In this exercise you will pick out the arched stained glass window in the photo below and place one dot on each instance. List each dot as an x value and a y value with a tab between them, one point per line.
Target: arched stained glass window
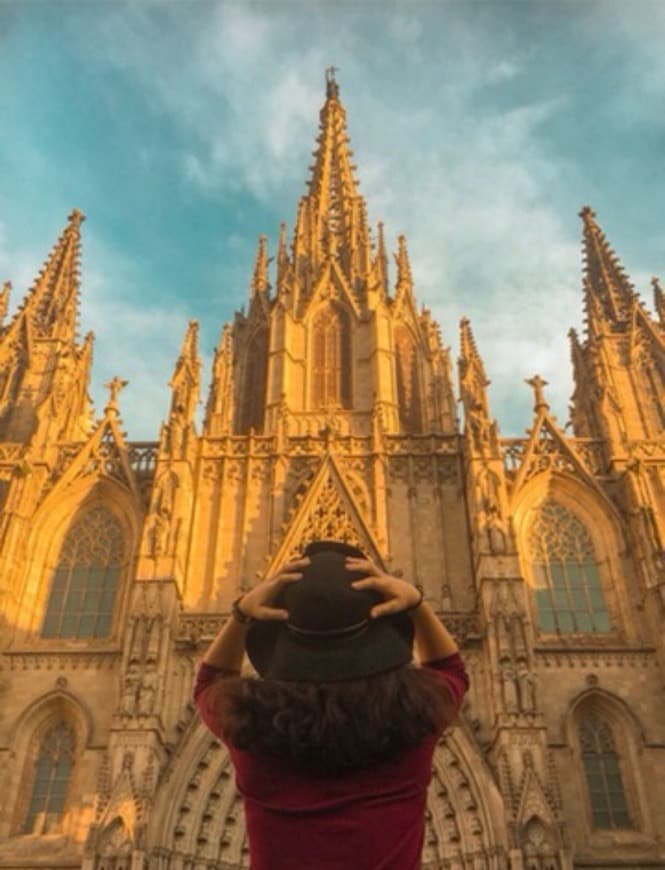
569	596
607	797
331	358
85	580
252	401
50	782
408	383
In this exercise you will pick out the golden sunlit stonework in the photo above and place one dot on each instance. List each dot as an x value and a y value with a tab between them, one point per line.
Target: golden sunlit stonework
332	413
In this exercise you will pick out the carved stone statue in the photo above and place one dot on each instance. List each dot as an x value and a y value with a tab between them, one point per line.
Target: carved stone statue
130	689
527	689
509	689
154	638
496	533
148	691
518	635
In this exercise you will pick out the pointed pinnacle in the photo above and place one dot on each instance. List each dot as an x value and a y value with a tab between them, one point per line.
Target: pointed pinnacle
658	299
260	283
4	299
190	346
606	277
379	261
467	342
76	218
332	182
282	247
403	265
283	261
469	355
53	299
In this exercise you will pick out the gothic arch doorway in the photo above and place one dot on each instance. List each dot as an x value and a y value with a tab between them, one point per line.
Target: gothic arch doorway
198	817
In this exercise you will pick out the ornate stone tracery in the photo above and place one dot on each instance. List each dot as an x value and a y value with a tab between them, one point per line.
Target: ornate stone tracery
557	534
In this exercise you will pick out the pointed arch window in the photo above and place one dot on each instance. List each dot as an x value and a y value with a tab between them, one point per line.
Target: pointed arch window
51	778
331	358
85	581
252	402
568	590
408	382
602	771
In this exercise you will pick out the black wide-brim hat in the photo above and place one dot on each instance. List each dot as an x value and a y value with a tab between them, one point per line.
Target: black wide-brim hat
329	636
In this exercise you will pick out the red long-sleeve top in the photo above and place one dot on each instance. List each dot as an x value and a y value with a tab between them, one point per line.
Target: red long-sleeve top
370	819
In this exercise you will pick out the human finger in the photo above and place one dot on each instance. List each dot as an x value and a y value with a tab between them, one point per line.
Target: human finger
268	613
392	606
296	563
287	578
368	583
354	563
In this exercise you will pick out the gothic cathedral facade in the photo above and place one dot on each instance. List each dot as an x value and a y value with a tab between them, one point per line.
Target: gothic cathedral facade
332	412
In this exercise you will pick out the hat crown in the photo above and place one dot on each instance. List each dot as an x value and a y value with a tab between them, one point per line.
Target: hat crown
323	599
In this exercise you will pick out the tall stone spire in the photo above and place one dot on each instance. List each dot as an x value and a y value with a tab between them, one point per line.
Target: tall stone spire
51	307
220	406
40	360
283	261
472	378
380	263
260	282
604	277
332	222
404	283
332	186
480	431
185	385
658	300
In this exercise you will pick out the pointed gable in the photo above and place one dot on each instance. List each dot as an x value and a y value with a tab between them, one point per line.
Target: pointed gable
328	511
104	454
547	448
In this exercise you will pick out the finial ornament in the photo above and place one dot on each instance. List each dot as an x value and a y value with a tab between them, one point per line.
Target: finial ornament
77	216
537	383
332	88
587	212
114	386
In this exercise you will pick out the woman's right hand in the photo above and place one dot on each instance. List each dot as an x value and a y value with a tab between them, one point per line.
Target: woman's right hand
256	604
398	594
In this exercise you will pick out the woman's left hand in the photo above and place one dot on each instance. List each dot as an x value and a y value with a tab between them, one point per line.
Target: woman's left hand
256	603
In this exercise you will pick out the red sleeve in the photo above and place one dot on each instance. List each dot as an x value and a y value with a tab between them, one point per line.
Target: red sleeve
453	675
206	676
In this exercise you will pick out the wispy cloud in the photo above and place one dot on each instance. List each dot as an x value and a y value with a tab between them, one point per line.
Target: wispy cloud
469	187
468	132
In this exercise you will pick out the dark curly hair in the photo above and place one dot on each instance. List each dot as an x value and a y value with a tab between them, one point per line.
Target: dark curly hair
332	728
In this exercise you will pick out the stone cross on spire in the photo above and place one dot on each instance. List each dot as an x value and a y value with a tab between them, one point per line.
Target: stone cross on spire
114	386
332	88
537	383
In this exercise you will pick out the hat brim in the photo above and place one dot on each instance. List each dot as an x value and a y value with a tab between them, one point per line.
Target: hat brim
277	653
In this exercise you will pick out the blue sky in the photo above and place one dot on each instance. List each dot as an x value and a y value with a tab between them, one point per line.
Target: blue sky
184	130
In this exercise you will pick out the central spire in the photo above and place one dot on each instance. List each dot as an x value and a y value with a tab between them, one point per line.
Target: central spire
332	223
332	184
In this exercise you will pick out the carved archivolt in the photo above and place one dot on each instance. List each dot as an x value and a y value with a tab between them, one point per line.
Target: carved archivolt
464	818
202	817
198	809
